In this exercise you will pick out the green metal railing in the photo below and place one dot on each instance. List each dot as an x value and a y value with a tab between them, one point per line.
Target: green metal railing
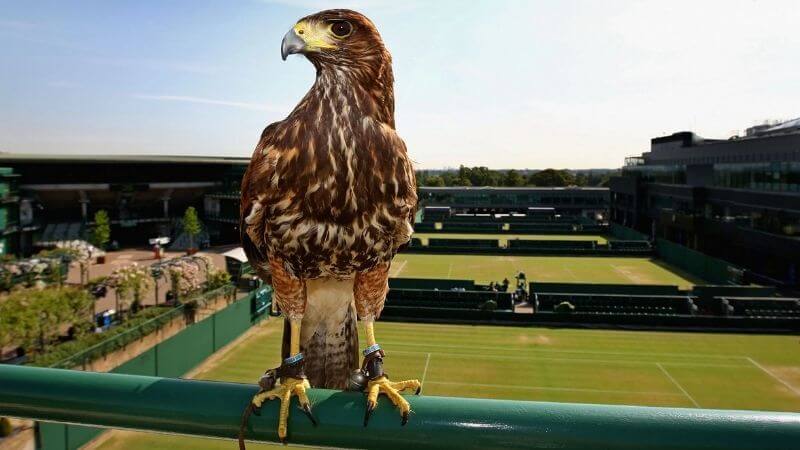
214	409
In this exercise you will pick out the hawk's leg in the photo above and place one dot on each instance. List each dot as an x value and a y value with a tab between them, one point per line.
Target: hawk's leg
370	290
290	294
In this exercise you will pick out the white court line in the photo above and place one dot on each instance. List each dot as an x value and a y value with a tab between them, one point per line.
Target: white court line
400	269
587	352
548	388
449	270
768	372
425	371
675	382
569	271
547	358
624	274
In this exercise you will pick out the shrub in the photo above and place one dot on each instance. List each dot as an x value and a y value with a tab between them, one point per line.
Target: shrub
131	284
216	279
136	328
564	308
33	318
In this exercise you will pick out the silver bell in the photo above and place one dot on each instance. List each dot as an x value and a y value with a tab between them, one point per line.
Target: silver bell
357	381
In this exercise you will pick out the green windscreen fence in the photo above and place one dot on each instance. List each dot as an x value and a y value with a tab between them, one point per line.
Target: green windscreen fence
710	269
171	358
182	352
629	234
144	364
230	323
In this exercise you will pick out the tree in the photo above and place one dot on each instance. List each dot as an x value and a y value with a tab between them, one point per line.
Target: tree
552	178
101	234
581	179
130	283
513	179
434	181
34	318
191	225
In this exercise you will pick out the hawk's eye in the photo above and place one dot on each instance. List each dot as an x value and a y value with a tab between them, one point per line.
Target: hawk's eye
341	28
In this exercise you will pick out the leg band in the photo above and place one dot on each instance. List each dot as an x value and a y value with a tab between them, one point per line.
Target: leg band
372	367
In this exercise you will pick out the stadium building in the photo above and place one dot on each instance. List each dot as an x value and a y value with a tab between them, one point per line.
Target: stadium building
588	202
737	199
54	197
9	211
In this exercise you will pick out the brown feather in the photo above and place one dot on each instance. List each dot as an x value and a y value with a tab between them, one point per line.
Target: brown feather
330	193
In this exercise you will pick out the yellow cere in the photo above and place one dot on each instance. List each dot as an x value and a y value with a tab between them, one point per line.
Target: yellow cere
315	35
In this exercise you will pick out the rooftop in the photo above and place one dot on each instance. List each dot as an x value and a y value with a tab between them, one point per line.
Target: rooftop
502	188
10	158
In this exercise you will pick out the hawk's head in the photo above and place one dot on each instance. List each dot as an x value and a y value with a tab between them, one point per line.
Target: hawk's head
338	37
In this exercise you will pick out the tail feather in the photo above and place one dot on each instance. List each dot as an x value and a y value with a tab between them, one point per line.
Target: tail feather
329	333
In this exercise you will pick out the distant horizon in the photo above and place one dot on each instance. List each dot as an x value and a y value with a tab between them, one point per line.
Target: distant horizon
573	84
167	156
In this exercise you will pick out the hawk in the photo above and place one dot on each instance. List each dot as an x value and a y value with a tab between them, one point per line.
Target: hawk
327	201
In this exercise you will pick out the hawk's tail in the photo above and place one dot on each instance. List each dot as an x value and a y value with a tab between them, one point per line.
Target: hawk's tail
328	333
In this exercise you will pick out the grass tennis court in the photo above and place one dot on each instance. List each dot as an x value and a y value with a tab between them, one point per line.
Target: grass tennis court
579	269
563	365
503	238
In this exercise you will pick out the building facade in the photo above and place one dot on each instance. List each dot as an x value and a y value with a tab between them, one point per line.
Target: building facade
9	212
54	197
737	199
591	202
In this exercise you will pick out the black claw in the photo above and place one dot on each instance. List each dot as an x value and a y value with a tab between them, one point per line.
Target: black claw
419	389
256	410
404	420
368	413
307	409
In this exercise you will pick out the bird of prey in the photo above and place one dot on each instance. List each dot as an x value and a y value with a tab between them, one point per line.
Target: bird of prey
327	201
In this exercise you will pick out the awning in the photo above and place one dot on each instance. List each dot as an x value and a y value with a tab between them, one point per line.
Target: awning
237	254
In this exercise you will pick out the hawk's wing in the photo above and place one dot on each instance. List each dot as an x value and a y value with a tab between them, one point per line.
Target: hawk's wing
255	190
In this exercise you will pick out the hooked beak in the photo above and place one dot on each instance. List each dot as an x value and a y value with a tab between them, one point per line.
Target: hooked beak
292	43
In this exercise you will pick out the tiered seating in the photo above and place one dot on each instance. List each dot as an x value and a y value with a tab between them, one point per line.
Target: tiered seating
542	227
710	290
426	298
604	288
630	246
431	283
551	244
619	304
713	306
424	227
463	243
764	306
472	228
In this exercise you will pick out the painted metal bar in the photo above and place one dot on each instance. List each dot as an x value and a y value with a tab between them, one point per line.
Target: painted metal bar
204	408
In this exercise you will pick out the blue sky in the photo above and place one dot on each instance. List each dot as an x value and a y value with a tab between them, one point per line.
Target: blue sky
532	84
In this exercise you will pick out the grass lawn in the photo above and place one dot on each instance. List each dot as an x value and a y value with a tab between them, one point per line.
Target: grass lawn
503	238
578	269
563	365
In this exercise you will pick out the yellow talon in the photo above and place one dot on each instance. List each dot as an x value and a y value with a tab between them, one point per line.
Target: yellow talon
284	392
391	390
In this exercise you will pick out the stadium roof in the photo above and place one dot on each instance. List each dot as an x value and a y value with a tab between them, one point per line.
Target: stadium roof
155	159
785	126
